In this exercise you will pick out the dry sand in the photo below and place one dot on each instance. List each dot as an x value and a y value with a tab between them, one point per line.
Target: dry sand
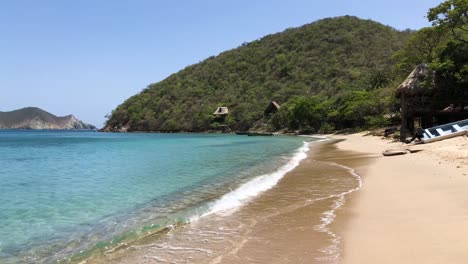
412	208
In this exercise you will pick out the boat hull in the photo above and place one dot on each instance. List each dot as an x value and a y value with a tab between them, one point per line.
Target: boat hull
434	139
256	134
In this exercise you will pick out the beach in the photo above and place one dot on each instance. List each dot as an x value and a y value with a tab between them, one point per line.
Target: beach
344	203
293	222
411	208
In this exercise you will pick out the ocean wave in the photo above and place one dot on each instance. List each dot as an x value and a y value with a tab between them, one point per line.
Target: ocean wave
229	202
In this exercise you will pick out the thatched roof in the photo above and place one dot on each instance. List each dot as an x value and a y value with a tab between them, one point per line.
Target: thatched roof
222	110
272	107
413	85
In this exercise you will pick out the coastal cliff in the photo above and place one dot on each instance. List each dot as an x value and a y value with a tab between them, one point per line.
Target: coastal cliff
36	118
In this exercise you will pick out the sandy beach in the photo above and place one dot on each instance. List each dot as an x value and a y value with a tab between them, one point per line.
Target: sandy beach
411	208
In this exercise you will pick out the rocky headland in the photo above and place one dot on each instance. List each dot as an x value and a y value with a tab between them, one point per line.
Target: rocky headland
36	118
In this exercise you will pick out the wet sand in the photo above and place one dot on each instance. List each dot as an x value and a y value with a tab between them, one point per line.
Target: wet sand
412	208
291	223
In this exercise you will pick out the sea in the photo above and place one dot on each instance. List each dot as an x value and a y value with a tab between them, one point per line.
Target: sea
68	195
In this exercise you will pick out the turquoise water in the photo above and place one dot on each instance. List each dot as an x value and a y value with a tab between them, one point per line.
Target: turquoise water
64	192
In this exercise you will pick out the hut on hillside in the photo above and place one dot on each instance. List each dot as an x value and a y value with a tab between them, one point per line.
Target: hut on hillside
220	114
418	103
221	111
272	108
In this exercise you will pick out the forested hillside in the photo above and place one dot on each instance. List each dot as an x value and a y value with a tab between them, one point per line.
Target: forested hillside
340	65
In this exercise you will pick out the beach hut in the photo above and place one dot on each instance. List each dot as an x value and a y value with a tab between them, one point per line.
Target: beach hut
272	108
411	93
221	111
220	116
417	82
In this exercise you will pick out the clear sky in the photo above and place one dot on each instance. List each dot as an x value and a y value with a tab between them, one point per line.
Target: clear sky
85	57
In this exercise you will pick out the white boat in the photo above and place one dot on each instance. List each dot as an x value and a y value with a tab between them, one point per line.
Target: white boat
445	131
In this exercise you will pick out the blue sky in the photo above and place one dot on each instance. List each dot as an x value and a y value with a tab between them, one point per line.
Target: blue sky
85	57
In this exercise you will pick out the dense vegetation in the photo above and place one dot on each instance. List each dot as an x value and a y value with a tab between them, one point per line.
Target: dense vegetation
334	60
337	73
444	47
450	62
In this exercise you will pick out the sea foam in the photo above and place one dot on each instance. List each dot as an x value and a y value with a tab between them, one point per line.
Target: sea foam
236	198
332	252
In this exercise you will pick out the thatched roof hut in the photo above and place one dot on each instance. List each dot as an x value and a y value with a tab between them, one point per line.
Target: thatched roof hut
420	105
413	85
220	111
272	108
411	93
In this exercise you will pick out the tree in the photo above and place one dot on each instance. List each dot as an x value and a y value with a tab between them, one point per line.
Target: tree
451	63
422	47
302	113
451	14
452	71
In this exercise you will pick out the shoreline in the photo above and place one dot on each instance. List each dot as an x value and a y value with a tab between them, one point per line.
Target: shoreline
303	206
396	214
228	203
411	208
135	222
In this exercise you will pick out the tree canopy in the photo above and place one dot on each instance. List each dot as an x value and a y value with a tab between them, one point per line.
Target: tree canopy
451	15
450	62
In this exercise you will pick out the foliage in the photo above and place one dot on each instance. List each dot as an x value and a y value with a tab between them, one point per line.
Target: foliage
335	60
451	15
444	47
452	72
422	47
354	109
451	60
302	113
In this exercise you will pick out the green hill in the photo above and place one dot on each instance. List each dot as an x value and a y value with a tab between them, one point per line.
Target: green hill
329	58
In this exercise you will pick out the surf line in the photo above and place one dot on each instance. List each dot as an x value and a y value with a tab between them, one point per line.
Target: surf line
233	200
236	198
332	251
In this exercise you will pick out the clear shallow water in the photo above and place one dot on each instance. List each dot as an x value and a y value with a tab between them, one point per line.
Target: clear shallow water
302	208
64	192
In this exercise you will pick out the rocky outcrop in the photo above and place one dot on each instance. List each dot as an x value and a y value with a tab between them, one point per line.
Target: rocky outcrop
114	129
36	118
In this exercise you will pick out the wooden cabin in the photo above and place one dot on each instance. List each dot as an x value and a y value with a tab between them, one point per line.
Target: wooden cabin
272	108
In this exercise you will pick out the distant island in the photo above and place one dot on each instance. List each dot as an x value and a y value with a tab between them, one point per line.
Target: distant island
36	118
